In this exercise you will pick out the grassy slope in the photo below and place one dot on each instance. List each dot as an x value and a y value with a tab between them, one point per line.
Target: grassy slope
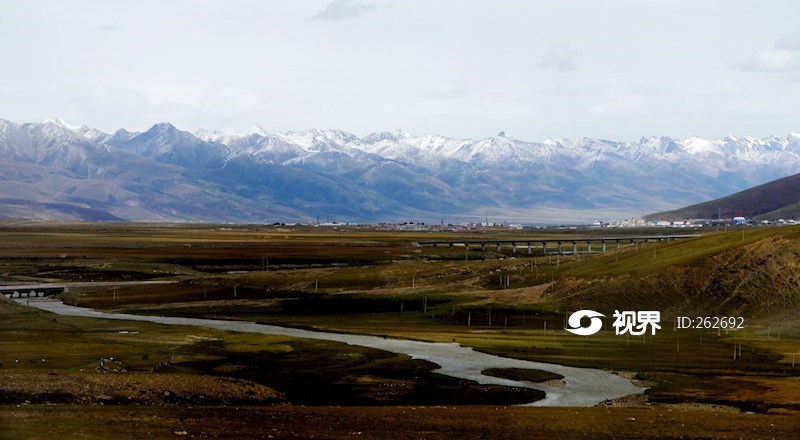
766	198
745	272
679	360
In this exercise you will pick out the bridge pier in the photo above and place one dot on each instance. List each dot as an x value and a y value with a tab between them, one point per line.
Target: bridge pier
498	246
559	248
589	249
513	248
544	248
604	246
574	247
32	291
530	249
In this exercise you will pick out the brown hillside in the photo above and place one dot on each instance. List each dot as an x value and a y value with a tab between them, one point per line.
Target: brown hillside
773	200
760	280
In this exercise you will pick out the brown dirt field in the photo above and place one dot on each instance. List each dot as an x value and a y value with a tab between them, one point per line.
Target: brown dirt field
130	388
756	393
482	422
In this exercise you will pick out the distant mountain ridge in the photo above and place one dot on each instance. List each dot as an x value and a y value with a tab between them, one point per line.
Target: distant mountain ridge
51	170
770	201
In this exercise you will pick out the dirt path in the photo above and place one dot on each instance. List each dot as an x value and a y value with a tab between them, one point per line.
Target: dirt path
584	386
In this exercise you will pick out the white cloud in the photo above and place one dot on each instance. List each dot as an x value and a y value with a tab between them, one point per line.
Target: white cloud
561	58
783	57
773	60
342	9
534	71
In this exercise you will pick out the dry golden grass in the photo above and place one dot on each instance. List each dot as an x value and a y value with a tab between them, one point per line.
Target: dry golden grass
365	276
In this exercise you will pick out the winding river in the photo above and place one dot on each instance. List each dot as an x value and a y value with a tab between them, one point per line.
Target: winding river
583	386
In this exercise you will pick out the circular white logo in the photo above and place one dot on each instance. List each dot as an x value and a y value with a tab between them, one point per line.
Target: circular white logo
574	322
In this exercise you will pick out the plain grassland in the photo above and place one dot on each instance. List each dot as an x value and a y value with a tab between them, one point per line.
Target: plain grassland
377	282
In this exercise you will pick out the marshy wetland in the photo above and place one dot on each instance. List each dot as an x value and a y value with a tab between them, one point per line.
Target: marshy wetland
362	281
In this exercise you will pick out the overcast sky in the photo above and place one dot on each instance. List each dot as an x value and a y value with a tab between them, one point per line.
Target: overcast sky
617	69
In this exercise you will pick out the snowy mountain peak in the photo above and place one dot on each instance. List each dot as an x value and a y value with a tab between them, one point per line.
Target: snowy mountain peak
256	130
211	135
696	145
553	142
253	175
163	127
62	123
123	134
92	133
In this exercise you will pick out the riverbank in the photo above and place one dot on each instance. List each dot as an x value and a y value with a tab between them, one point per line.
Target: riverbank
582	386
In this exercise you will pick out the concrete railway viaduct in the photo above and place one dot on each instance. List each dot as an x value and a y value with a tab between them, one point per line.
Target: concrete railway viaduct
560	246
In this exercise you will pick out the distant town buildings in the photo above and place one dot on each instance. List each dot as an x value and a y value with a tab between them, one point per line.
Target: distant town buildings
700	223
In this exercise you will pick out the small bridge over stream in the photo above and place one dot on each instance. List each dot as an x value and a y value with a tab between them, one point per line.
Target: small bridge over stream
32	290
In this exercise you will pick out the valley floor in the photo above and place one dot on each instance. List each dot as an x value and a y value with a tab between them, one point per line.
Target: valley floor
397	422
169	381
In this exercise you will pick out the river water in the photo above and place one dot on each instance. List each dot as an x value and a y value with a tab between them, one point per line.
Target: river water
584	386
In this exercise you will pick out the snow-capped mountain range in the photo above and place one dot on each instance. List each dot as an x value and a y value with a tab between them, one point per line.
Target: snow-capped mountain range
51	170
